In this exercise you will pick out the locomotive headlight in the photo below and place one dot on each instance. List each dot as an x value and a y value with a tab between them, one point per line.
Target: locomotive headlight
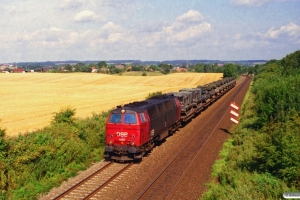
132	144
110	143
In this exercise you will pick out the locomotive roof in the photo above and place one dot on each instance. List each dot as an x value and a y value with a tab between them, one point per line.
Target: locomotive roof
139	106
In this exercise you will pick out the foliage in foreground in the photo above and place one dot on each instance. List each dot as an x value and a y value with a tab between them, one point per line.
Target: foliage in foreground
35	163
154	94
262	158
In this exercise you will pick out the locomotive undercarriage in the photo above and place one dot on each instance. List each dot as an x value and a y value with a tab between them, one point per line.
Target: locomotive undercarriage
125	153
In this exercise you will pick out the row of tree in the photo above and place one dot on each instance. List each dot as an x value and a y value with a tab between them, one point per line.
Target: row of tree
229	69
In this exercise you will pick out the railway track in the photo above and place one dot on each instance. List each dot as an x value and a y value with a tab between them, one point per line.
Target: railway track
166	185
92	185
173	180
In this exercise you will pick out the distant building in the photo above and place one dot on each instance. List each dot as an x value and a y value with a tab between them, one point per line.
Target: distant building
121	66
182	69
19	70
94	69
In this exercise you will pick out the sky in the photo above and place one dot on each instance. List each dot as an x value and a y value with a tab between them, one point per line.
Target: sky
59	30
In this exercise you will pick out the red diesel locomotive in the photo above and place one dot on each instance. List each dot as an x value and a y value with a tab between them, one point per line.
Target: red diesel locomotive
133	129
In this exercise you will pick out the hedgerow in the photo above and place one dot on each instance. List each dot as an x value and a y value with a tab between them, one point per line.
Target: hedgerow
262	158
34	163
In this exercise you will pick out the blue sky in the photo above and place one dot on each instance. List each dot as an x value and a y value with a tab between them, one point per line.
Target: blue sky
40	30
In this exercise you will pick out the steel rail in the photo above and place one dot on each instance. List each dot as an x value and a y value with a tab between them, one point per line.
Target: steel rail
60	196
182	150
107	182
171	194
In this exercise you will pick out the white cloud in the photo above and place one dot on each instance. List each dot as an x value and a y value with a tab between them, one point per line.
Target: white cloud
52	37
186	28
291	30
254	3
110	33
189	33
86	16
191	16
288	35
10	8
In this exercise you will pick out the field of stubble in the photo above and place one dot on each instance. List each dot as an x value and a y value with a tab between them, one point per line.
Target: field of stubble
29	100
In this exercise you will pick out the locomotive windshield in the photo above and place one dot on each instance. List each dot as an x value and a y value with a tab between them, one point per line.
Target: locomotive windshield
129	118
115	118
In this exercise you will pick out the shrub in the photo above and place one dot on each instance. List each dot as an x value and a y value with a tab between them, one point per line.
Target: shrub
36	162
65	115
3	145
154	94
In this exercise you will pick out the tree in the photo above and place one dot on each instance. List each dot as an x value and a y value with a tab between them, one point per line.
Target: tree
215	67
79	67
207	68
165	68
154	67
102	64
199	68
3	144
230	70
137	68
68	67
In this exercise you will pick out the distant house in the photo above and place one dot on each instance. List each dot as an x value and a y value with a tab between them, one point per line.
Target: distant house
104	70
94	69
182	69
19	70
5	70
121	66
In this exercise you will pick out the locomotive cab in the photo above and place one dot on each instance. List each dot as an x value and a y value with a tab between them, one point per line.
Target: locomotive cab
125	130
134	129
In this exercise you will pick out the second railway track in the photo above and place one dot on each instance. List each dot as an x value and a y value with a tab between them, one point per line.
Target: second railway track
165	185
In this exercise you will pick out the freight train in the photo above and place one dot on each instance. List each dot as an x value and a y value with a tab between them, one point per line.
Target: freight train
134	129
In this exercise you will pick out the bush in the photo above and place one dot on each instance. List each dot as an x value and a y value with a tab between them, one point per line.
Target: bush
65	115
3	145
36	162
144	74
154	94
264	158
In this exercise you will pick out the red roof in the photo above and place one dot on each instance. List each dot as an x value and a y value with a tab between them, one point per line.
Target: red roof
19	70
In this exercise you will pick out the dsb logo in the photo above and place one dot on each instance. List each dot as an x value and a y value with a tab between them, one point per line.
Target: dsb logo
122	134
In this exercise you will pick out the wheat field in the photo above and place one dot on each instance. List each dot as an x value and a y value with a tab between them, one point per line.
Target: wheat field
29	100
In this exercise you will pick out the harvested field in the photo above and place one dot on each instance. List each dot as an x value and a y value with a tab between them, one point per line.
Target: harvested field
28	100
